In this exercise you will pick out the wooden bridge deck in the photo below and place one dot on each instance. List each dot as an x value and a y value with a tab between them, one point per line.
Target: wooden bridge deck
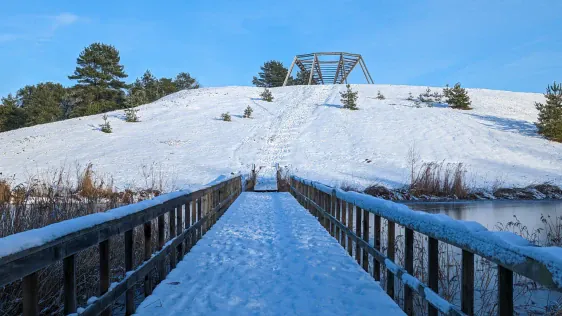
268	255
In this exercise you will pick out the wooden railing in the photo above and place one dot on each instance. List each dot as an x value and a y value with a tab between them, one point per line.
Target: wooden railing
346	216
188	215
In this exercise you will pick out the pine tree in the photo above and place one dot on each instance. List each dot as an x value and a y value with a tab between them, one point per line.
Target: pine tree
248	112
301	79
184	81
380	96
99	75
42	102
266	95
226	117
550	114
136	97
457	97
12	116
105	127
272	74
131	115
349	98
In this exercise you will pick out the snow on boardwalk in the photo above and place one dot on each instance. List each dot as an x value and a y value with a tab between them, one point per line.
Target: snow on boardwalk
268	256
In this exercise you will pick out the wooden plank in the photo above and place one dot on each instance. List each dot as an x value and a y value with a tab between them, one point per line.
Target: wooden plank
432	270
130	295
104	272
350	226
409	266
340	68
30	287
505	291
69	280
366	239
390	254
467	284
147	254
358	225
376	263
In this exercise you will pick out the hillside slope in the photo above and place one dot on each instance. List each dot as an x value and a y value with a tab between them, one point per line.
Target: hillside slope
305	129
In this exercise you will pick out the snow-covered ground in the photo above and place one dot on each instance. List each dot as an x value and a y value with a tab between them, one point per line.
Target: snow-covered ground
268	256
303	128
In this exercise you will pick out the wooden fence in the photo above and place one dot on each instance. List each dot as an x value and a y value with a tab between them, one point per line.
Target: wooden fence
189	216
345	220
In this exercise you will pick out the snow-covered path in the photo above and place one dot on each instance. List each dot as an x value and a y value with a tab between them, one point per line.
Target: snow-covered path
268	256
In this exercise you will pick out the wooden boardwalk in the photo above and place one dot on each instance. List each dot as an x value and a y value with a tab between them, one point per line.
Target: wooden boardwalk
314	250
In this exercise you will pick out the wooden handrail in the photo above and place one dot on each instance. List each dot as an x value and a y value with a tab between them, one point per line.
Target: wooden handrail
207	205
311	195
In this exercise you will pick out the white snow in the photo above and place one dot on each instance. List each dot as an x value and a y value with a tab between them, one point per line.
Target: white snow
268	256
504	246
303	128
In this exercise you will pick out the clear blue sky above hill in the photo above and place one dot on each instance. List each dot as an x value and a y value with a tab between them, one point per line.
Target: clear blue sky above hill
497	44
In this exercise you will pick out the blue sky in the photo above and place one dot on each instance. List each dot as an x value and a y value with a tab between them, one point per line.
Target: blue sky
497	44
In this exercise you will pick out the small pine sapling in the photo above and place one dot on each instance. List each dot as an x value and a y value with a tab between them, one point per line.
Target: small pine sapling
349	98
410	97
550	114
380	96
266	95
446	91
131	115
458	98
105	127
226	117
248	112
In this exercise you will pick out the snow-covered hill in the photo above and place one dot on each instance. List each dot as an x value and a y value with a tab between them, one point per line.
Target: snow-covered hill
305	129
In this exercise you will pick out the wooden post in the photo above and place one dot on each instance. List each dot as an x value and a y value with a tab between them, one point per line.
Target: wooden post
366	239
409	266
130	295
376	264
344	222
104	271
147	255
312	71
290	71
327	222
358	215
193	221
187	225
69	272
199	213
331	200
505	291
350	226
433	270
31	295
172	223
467	288
161	242
179	231
390	254
338	218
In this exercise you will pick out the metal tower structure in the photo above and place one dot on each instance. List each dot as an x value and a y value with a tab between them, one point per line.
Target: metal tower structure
328	67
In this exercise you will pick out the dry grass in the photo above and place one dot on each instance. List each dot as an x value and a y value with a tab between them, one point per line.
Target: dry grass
440	179
53	197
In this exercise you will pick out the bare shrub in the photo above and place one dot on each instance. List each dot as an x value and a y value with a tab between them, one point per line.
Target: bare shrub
439	179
